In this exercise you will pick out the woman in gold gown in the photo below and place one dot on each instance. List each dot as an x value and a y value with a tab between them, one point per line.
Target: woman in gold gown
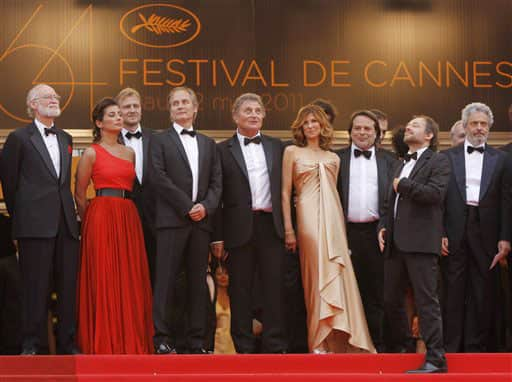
335	316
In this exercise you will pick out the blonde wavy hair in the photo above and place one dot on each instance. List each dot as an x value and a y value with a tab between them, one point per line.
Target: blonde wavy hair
326	130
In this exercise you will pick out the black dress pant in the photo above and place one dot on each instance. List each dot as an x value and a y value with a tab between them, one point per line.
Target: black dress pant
188	245
368	264
150	244
469	291
10	305
40	259
295	306
265	252
421	269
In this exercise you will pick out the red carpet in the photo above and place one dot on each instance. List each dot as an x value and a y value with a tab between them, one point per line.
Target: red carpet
252	368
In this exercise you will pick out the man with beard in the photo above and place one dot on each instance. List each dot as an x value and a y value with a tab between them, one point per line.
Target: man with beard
36	174
478	232
410	235
138	139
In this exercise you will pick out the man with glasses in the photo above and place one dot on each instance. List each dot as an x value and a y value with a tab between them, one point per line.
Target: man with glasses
36	175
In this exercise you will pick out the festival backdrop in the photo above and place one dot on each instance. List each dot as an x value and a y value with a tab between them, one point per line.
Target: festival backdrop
401	56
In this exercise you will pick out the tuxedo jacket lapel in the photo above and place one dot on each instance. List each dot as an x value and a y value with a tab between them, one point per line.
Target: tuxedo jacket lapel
40	146
382	175
345	176
267	148
459	170
201	148
488	166
177	142
421	162
64	156
236	150
145	149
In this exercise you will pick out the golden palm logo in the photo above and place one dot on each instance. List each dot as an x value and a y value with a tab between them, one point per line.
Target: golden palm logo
160	24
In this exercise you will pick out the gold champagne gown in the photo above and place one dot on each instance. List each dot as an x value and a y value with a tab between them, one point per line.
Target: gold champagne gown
336	320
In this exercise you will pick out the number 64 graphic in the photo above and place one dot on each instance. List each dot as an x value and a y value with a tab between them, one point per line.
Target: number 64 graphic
54	54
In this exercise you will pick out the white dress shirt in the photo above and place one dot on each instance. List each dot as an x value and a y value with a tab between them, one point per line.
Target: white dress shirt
406	171
52	144
259	180
192	151
136	145
363	188
474	164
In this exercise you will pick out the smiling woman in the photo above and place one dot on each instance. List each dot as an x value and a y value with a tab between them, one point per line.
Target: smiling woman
335	317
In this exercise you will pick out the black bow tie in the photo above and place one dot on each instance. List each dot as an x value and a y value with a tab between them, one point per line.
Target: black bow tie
479	149
256	140
408	156
51	130
192	133
137	135
366	153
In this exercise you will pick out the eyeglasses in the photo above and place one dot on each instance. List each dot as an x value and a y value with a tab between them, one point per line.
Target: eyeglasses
55	97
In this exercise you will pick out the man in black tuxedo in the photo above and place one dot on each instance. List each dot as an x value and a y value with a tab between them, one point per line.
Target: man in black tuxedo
251	226
508	147
410	235
366	172
478	219
36	174
139	139
187	179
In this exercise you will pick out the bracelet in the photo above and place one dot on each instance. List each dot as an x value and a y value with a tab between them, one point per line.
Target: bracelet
288	232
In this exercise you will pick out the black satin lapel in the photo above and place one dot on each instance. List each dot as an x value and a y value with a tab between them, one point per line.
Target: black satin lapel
236	150
145	150
177	141
421	162
490	160
64	156
201	147
381	179
38	143
267	148
459	169
345	176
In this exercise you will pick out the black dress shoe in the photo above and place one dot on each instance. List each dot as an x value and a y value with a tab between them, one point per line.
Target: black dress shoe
74	351
429	368
198	351
29	351
164	348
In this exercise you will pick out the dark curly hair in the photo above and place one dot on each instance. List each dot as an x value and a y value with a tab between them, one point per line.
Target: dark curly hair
397	141
97	115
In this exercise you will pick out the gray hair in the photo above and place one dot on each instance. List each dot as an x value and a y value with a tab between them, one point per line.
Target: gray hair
32	95
473	108
452	130
192	94
244	98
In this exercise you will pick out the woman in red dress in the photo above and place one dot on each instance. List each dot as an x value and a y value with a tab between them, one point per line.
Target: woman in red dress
114	293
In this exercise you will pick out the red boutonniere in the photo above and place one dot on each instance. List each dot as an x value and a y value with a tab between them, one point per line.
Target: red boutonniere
70	149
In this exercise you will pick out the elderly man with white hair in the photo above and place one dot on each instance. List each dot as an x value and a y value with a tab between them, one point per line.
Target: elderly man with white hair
36	176
478	232
457	133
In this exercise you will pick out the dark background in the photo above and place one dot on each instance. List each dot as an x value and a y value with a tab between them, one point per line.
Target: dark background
285	31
